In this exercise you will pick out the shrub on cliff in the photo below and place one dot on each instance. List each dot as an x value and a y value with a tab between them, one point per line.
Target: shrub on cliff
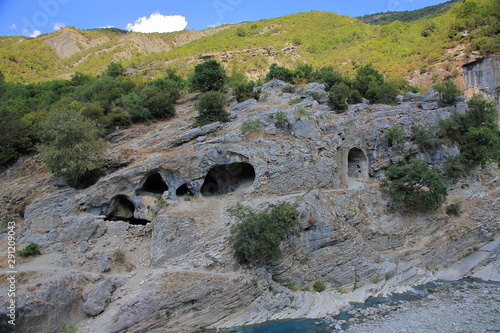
211	108
208	76
71	147
415	186
257	237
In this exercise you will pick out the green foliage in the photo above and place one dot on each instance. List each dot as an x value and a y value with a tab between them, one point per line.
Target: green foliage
366	75
115	69
455	167
240	32
68	328
448	92
396	135
257	237
384	93
29	250
211	108
295	101
424	138
290	89
251	125
244	90
338	97
279	73
208	76
71	147
477	135
454	209
281	119
319	286
415	186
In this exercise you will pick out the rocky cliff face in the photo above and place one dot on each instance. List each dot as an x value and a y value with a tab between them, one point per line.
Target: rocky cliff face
483	76
145	248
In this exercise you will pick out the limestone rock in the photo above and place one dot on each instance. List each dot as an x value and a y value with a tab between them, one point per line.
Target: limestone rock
97	300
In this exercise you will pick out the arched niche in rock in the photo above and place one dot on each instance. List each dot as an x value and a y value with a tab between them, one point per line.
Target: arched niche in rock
183	190
123	209
226	178
357	164
154	184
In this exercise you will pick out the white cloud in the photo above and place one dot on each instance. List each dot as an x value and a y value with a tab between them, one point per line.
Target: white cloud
58	25
33	34
13	27
158	23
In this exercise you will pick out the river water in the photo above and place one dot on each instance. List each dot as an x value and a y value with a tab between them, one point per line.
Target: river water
324	325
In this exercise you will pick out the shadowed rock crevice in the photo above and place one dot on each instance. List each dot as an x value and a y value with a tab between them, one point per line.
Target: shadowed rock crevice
154	184
122	209
223	179
183	191
357	164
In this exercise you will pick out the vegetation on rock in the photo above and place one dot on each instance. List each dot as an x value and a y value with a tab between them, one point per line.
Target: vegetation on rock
71	147
257	236
211	108
415	186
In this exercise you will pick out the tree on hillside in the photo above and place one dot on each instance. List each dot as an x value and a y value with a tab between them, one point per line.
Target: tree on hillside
208	76
448	92
364	76
211	108
415	186
71	147
115	69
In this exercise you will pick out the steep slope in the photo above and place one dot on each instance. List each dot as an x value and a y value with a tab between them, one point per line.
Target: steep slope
146	248
407	16
317	38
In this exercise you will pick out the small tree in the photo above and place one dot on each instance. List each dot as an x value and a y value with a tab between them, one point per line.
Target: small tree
279	73
115	69
71	147
415	186
338	97
211	108
448	92
257	237
364	76
208	76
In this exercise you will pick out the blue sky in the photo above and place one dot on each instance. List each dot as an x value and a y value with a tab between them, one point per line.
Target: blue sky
32	17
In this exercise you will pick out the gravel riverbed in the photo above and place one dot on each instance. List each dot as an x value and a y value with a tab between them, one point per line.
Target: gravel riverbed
460	307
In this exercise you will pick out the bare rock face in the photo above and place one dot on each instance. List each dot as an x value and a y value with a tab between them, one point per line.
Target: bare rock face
151	237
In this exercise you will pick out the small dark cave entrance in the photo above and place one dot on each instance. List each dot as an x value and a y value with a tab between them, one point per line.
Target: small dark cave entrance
122	209
154	184
357	164
183	191
223	179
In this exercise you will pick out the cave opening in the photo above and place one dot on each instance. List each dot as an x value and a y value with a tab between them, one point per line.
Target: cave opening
183	191
123	210
357	164
154	184
226	178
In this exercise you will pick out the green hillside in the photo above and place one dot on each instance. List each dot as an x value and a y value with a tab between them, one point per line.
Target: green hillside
318	38
409	15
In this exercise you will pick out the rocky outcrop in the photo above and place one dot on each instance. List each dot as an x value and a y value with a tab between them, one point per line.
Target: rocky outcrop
483	76
151	236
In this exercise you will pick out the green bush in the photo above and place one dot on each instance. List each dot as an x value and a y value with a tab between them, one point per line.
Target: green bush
244	90
288	89
455	168
448	92
424	138
338	97
71	147
208	76
281	119
454	208
415	186
319	286
211	108
257	236
29	250
384	93
279	73
251	125
396	135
